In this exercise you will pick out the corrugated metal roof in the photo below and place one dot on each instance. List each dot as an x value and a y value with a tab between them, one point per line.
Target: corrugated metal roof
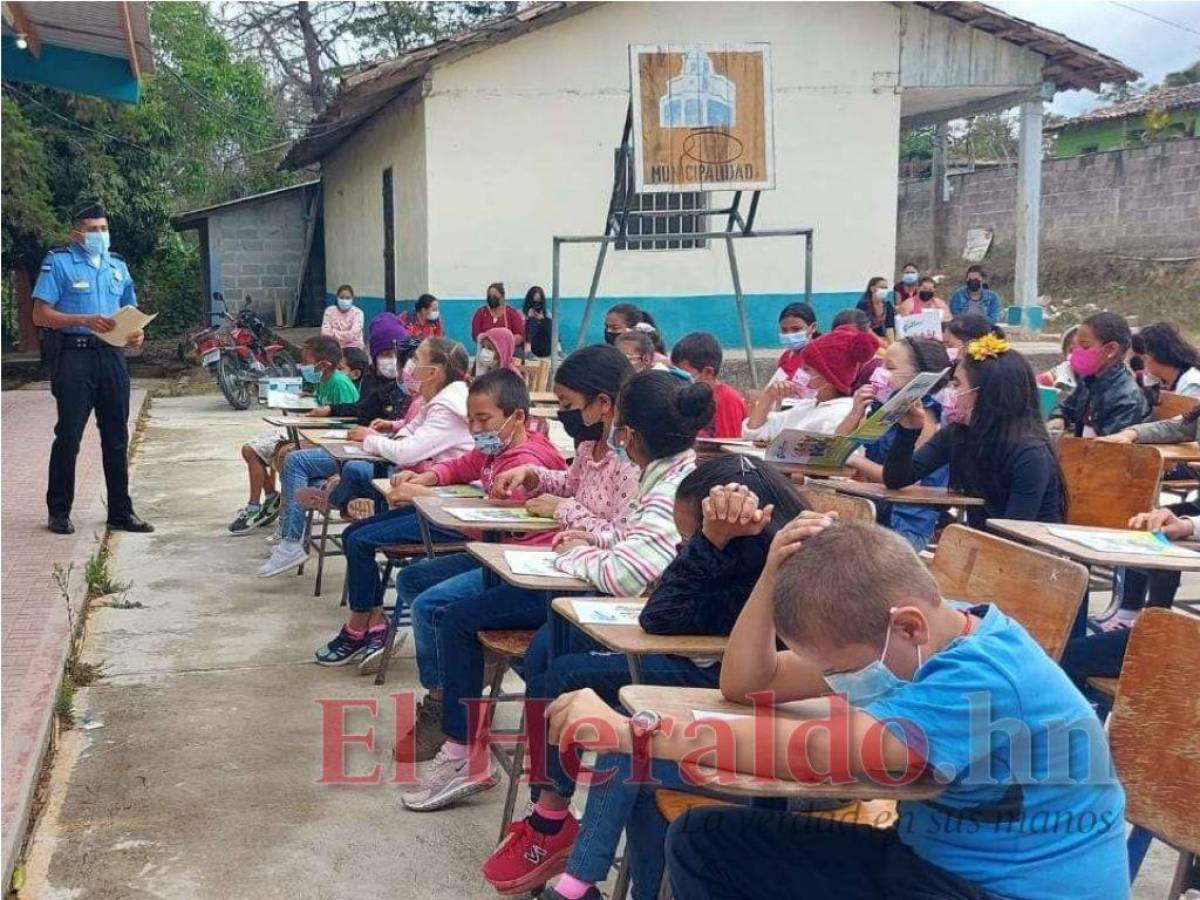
1069	64
95	27
1165	98
190	218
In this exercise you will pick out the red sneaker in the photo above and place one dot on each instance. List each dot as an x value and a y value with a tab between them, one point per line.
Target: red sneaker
526	858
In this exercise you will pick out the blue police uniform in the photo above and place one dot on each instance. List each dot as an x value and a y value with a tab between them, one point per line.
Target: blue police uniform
87	373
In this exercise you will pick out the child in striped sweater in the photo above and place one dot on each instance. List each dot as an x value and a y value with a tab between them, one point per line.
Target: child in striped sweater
657	418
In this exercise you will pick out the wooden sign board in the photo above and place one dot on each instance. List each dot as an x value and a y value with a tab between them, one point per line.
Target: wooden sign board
702	117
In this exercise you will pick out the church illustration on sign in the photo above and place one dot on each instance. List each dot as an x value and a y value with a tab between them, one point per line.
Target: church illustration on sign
699	97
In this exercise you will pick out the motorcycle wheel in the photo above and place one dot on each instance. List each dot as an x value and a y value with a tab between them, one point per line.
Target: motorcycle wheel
230	372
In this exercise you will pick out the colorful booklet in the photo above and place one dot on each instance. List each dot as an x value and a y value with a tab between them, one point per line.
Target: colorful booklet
1135	543
533	562
794	445
498	514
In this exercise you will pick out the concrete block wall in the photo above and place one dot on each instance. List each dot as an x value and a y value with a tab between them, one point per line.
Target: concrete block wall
1140	202
257	249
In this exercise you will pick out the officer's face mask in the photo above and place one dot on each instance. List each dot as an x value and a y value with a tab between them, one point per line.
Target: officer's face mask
96	242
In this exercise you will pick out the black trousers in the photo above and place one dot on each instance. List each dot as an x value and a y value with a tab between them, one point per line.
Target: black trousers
83	380
738	853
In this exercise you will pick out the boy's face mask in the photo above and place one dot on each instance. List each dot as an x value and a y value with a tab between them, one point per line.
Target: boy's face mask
873	682
310	373
491	443
386	366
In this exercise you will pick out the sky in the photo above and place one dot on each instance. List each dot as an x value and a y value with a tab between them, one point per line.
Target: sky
1152	47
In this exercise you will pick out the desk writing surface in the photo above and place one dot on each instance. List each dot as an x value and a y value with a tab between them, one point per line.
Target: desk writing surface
492	556
631	639
344	451
435	510
1036	533
1177	453
543	397
305	423
915	494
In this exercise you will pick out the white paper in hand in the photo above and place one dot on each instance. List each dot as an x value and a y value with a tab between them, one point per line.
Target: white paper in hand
130	320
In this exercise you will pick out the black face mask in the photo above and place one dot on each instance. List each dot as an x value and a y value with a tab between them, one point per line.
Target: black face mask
493	302
974	284
573	424
610	337
925	295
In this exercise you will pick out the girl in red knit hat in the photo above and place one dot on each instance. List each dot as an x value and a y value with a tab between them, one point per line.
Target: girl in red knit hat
820	388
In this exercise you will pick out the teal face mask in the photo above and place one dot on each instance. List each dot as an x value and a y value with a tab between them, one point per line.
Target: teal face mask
620	452
96	242
870	683
309	373
795	340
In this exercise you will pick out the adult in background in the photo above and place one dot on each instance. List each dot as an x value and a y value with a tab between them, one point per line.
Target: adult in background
79	290
425	319
496	313
343	321
537	323
906	287
881	312
975	297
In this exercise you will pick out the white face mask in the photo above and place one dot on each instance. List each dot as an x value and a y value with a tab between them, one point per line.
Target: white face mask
344	303
433	315
386	366
881	293
485	359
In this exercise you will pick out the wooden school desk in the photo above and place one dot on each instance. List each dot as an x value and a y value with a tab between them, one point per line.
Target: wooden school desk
295	424
631	640
433	511
793	469
914	494
1036	533
1188	452
492	557
678	703
543	398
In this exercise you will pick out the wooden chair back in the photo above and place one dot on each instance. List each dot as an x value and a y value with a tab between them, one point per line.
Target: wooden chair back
537	374
824	500
1171	405
1038	589
1108	484
1154	723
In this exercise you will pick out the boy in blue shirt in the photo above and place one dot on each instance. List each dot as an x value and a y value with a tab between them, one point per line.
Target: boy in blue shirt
1031	807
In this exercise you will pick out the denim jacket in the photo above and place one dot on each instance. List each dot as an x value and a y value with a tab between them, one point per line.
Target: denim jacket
1109	402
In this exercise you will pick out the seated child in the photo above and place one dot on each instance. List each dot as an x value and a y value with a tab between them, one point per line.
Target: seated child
496	349
639	350
902	362
926	687
595	496
498	416
1106	398
320	360
439	431
727	511
656	421
961	330
625	317
355	364
797	326
995	442
343	321
1171	361
699	354
822	385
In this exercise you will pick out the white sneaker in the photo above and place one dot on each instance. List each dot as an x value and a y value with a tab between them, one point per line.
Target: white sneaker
447	781
286	555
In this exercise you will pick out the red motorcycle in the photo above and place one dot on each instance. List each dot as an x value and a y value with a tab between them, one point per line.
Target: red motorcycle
239	356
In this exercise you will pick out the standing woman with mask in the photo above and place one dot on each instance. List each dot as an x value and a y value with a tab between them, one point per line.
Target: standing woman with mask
496	313
425	319
995	444
879	309
343	321
797	326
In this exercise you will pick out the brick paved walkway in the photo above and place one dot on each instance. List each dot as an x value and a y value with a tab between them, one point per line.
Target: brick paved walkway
33	617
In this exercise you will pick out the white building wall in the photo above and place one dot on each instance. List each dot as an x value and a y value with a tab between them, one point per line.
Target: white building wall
353	184
521	137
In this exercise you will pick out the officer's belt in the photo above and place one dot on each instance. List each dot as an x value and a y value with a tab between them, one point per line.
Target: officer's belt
82	342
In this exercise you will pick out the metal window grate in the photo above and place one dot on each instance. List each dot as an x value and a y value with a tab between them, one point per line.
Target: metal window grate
689	220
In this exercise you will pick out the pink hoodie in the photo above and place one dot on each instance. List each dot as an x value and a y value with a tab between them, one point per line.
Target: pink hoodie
535	450
505	343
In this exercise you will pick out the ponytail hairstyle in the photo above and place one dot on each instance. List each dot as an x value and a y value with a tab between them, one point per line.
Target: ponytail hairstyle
664	411
450	356
772	487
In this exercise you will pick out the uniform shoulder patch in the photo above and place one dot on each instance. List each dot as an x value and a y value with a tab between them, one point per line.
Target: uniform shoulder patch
61	250
115	255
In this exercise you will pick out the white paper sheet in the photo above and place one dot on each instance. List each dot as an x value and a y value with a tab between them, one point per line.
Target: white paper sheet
130	320
533	562
597	612
699	714
496	514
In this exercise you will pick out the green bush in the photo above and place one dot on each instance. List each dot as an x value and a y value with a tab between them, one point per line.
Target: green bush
169	285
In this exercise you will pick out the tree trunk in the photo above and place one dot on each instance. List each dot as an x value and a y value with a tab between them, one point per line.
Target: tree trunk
312	57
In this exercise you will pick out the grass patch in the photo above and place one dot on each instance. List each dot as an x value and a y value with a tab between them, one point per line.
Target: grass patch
98	576
76	672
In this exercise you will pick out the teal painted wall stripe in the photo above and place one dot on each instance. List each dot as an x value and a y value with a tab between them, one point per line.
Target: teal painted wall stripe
676	316
77	71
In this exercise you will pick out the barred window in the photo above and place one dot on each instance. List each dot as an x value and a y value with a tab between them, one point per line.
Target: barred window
689	220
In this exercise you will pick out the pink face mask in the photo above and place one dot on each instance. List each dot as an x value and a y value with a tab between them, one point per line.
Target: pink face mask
953	352
801	387
882	382
953	412
1086	361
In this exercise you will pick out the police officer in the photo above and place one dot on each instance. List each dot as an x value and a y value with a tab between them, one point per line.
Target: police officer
80	287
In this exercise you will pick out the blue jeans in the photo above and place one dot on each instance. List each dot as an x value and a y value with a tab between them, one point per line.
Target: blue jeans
613	807
427	588
356	482
300	469
587	664
363	539
503	607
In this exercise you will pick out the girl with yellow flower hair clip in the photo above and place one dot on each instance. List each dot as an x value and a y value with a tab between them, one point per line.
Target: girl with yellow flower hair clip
994	440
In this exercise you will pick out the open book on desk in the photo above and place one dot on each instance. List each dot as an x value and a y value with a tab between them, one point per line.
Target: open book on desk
793	445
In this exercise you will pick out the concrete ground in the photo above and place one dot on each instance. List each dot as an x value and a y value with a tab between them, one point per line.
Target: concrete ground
196	773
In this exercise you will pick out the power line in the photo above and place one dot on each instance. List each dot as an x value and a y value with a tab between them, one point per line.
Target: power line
1150	15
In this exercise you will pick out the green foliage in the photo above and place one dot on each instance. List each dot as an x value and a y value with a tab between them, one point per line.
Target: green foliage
389	28
917	143
171	287
1190	75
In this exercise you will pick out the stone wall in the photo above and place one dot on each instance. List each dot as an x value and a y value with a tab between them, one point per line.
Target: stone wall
257	249
1138	202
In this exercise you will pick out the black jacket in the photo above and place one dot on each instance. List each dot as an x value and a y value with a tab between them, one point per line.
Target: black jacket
704	589
1109	402
378	398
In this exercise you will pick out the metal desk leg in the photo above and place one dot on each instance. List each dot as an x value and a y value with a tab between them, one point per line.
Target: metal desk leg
635	669
426	536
